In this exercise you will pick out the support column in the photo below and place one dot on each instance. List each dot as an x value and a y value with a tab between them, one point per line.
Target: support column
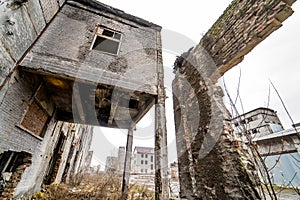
127	164
161	146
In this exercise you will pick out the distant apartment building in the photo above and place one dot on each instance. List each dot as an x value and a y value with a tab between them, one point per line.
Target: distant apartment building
143	160
261	120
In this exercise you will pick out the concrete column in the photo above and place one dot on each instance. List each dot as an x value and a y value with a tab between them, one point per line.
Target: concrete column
127	164
161	148
161	154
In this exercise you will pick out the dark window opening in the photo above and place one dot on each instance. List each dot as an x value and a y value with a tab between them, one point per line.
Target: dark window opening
151	158
142	162
106	45
254	131
243	121
151	166
108	33
107	41
55	161
133	103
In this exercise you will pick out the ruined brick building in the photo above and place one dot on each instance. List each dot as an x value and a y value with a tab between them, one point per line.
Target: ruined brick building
68	65
209	157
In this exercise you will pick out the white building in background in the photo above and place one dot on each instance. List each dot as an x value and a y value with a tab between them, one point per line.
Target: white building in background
259	121
143	160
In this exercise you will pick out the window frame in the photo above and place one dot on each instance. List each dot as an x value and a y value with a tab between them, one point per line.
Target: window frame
98	34
35	100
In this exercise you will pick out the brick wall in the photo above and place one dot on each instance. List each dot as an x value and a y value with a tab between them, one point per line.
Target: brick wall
243	25
211	163
16	177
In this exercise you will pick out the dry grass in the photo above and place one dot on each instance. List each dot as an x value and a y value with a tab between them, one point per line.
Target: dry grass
93	187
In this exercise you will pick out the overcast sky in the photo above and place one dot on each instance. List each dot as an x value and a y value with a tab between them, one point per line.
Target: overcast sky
275	59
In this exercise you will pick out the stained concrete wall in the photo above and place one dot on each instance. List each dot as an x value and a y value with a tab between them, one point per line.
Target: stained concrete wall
75	28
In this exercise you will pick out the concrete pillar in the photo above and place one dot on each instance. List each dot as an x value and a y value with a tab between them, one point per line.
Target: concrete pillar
161	154
127	164
161	146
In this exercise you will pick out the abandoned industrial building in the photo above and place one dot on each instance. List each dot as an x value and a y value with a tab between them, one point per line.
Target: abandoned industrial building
69	65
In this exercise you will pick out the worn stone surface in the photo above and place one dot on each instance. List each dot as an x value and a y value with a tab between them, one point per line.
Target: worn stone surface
50	8
17	32
6	64
35	12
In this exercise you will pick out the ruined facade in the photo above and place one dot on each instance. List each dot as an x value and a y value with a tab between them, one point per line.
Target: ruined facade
260	120
278	148
65	63
209	156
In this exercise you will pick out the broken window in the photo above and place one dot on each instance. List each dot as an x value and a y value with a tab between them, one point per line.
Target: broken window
254	131
242	122
37	113
107	41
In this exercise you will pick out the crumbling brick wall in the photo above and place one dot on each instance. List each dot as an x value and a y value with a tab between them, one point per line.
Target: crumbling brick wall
210	160
16	177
